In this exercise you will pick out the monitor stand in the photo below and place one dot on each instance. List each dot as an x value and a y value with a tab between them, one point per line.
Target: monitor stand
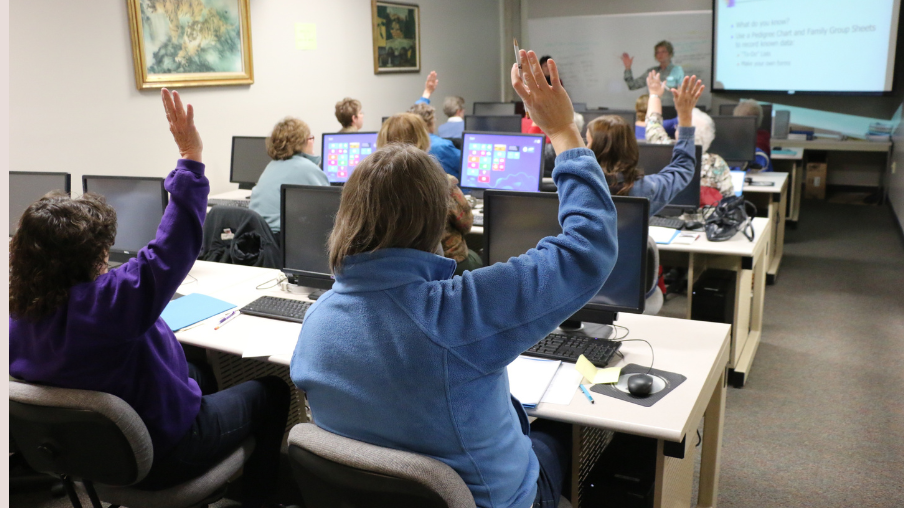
246	186
317	294
601	330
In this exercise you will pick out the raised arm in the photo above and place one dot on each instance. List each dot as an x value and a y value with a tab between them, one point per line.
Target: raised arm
655	132
633	84
132	297
429	87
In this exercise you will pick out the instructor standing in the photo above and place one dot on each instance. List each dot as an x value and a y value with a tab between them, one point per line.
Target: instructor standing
672	74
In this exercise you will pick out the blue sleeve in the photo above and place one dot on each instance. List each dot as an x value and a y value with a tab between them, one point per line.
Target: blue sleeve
447	155
129	300
488	316
422	100
661	188
670	125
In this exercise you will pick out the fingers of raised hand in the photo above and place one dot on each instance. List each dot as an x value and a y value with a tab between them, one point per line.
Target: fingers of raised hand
554	74
529	71
517	84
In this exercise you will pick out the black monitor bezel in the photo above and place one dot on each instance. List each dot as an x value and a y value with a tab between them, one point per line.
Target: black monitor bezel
323	151
592	312
463	156
67	176
740	119
304	278
514	108
698	169
520	118
242	184
122	255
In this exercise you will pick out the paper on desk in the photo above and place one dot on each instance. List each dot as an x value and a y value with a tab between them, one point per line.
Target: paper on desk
529	378
264	337
564	384
685	238
595	375
662	235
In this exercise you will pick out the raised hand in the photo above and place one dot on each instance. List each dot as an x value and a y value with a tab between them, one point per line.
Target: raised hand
549	105
654	84
686	96
430	85
627	60
182	125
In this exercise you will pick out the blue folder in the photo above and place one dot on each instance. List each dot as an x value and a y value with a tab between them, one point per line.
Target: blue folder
191	309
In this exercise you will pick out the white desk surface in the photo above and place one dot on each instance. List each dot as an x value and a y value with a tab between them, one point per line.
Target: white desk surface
849	145
777	178
210	278
797	155
233	194
737	246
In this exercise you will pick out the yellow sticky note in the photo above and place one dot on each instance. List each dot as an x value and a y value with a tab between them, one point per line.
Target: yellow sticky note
594	375
305	36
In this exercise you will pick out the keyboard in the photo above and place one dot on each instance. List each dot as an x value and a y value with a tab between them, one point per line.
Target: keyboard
478	220
666	222
568	348
272	307
241	203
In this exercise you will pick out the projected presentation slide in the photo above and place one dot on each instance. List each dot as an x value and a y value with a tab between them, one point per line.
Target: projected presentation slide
342	152
499	161
805	45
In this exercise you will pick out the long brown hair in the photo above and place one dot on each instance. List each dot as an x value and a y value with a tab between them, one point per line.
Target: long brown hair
615	147
60	242
396	198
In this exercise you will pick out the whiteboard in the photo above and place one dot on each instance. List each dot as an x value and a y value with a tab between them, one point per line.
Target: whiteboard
587	50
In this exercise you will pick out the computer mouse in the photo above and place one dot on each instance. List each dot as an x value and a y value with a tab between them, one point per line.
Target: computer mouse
640	385
693	225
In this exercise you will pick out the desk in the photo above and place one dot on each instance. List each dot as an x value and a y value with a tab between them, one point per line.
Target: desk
775	199
748	261
796	176
233	194
698	350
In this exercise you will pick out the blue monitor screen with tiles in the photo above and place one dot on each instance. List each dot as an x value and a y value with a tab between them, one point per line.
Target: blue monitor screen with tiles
342	152
502	161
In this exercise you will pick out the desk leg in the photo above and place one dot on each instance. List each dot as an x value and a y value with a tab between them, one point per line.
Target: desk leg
795	193
710	463
778	242
690	284
750	327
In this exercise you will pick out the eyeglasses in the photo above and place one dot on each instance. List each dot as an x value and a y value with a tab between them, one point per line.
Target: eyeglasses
311	138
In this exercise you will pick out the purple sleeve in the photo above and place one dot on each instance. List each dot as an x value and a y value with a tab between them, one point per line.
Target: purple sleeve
127	301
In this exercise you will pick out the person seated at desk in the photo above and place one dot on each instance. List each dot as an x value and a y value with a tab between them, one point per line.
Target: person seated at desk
410	129
443	149
291	146
75	325
428	370
350	115
615	146
714	172
454	108
640	126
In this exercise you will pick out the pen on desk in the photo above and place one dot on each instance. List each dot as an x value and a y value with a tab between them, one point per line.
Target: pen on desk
227	316
227	321
587	394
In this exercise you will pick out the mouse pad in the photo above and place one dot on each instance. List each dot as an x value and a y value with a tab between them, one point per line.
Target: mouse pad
663	383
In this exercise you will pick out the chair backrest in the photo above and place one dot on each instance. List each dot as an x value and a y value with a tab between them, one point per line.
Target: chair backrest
84	434
252	243
652	265
335	471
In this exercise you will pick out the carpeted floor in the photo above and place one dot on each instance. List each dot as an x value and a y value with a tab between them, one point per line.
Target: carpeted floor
820	422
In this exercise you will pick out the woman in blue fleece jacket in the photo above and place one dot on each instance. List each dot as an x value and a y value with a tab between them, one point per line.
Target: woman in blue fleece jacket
402	354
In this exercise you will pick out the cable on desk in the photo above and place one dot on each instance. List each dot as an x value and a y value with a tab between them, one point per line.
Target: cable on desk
189	282
279	279
624	339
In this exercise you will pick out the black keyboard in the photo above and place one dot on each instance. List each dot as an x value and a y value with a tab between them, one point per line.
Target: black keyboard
277	308
666	222
568	348
241	203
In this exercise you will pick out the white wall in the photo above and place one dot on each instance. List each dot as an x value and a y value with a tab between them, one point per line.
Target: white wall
74	105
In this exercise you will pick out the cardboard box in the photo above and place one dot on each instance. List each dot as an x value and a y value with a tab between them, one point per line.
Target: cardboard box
815	187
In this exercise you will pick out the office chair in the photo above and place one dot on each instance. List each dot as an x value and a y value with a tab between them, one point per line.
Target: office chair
654	296
98	439
251	243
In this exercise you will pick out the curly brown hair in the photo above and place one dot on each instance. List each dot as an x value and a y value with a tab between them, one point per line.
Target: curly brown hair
615	146
288	138
346	109
427	112
61	242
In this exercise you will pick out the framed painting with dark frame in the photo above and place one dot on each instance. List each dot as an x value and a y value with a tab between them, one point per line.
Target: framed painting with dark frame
397	37
191	42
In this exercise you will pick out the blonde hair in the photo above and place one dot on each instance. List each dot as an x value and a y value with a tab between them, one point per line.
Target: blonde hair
750	107
640	106
427	112
453	105
288	138
404	128
346	109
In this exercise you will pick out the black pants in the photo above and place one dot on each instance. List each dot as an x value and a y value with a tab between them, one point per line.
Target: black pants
552	444
256	408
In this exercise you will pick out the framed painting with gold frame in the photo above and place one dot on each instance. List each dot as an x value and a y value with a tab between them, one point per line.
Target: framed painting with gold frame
191	42
397	37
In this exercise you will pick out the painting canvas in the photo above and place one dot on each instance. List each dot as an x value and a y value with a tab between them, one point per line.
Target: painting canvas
397	42
191	42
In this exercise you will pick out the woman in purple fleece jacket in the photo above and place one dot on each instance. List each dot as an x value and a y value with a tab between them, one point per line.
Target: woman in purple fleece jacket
73	324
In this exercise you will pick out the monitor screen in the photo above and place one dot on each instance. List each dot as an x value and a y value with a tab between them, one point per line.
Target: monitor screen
249	159
514	222
654	158
342	152
735	138
510	123
781	123
728	110
139	203
502	161
494	108
26	187
629	116
306	220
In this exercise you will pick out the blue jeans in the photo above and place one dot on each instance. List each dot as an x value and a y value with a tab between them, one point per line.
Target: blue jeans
256	408
552	444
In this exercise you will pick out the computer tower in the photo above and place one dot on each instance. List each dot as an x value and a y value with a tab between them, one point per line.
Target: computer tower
714	296
624	475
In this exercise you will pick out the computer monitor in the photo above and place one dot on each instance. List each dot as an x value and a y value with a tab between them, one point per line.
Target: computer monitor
502	161
249	159
654	158
497	123
781	123
514	222
139	203
728	110
735	138
307	213
494	108
343	151
26	187
629	116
